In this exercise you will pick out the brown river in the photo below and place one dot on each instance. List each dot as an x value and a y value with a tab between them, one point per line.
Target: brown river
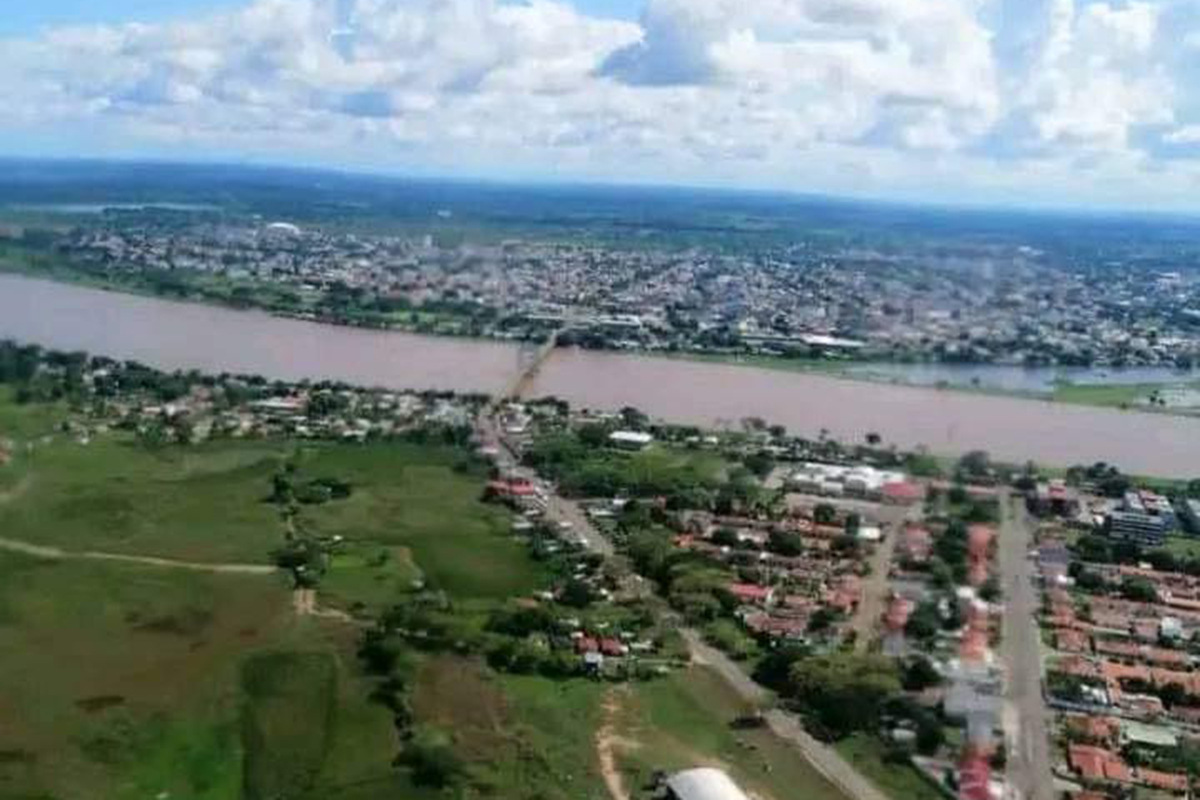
172	335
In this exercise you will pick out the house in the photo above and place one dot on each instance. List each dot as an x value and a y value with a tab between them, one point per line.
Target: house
916	544
1095	763
752	594
902	493
1053	498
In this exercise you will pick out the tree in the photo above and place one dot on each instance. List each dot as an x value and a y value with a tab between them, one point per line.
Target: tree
576	594
760	463
824	514
844	691
874	439
975	464
920	674
1139	589
775	669
785	543
925	622
432	760
726	537
930	735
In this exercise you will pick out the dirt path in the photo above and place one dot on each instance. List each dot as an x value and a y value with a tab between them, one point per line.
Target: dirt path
304	602
58	554
607	743
21	488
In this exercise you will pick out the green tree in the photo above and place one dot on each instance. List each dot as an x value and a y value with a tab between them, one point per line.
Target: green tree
843	691
824	514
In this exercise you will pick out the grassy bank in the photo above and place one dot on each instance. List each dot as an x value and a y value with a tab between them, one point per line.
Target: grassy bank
686	720
897	780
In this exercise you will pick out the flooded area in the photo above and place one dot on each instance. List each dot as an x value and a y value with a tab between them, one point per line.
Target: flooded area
1027	380
172	335
944	421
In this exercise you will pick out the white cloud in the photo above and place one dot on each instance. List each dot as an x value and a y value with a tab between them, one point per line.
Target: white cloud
838	95
1189	134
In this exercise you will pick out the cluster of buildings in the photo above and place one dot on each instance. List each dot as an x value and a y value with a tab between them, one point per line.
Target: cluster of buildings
858	481
789	592
962	651
801	299
1121	675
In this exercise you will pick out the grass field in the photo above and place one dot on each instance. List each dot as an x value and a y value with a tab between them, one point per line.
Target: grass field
120	682
406	496
684	721
125	682
898	781
1106	395
203	504
525	737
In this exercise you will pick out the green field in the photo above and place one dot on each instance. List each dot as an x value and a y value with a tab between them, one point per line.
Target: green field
202	504
124	682
411	497
684	721
899	781
1105	395
120	682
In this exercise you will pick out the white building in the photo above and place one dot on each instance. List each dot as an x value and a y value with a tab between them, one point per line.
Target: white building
703	784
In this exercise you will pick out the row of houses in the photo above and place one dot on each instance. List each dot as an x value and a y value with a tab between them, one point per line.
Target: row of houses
1120	672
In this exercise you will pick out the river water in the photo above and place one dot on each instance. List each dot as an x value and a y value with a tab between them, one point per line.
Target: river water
172	335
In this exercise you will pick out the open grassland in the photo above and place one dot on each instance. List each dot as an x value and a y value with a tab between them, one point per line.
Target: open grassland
202	504
1103	394
685	720
901	781
124	682
408	496
521	737
121	681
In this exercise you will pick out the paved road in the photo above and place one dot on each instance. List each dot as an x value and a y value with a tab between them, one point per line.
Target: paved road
823	758
57	554
558	509
1026	729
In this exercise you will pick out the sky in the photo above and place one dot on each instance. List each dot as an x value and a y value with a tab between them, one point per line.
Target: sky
1085	103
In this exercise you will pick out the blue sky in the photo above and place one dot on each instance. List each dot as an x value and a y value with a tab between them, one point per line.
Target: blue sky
24	17
1039	102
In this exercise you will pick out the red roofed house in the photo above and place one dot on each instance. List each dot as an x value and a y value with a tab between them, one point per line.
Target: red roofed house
897	614
904	493
974	778
916	544
752	594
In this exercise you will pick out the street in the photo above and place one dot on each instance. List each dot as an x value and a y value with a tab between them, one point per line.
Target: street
558	508
783	724
1029	767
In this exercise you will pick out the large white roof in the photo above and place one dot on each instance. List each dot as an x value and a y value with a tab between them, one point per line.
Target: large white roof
704	784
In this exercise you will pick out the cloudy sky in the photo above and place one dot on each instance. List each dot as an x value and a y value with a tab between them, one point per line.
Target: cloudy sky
1063	102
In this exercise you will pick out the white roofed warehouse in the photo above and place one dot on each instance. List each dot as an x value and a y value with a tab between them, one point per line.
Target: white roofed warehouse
703	784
